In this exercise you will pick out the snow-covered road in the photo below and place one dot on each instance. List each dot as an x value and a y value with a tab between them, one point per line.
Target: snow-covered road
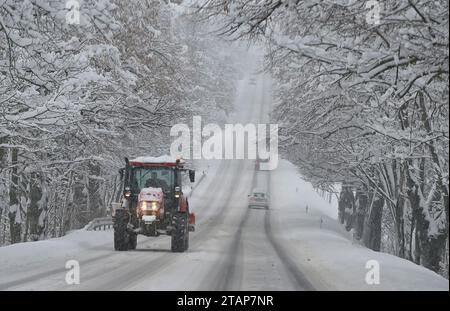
233	248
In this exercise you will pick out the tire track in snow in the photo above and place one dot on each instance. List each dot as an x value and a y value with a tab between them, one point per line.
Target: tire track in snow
298	279
228	273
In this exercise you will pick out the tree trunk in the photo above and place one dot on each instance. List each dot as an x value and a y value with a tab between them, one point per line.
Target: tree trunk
346	206
14	227
34	210
3	159
361	207
96	204
372	223
67	207
431	247
399	211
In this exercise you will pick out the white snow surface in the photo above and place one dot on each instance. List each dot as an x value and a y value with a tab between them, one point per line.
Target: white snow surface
335	261
325	255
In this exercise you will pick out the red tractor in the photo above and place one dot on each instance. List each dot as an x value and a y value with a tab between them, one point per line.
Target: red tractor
153	203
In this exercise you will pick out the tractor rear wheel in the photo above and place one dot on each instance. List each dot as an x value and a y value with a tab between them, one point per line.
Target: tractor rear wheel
121	236
180	233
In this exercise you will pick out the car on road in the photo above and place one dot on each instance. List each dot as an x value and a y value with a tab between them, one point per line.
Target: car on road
258	198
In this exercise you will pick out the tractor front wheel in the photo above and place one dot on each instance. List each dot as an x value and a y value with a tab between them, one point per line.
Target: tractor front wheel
180	233
121	236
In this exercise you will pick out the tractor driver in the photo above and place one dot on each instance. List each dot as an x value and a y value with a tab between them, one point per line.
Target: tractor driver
155	182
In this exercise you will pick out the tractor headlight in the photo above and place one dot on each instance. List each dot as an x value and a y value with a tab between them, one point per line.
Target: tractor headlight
153	205
143	205
177	192
127	193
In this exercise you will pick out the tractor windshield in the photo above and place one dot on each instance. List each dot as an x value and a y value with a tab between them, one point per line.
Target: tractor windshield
155	177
